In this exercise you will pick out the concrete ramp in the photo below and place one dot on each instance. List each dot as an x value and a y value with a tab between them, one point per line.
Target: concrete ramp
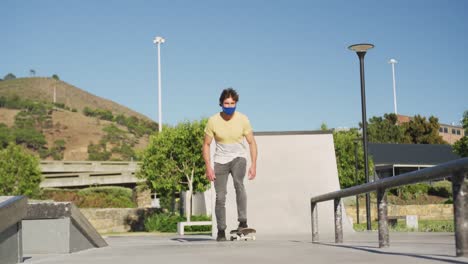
291	168
58	227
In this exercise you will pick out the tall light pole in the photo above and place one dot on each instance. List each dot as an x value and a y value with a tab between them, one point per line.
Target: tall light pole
158	41
393	62
361	50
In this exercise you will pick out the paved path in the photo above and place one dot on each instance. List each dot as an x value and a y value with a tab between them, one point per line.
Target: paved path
358	248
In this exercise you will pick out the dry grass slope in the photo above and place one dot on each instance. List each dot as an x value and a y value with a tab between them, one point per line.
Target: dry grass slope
42	89
75	128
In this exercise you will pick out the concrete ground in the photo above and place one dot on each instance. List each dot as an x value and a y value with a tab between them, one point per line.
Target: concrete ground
359	247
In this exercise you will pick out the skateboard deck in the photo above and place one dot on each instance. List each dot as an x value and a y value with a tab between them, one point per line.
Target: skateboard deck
243	234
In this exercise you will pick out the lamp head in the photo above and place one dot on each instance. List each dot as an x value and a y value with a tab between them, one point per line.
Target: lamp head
158	40
363	47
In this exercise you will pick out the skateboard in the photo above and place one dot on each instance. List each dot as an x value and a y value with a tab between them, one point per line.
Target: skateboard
243	234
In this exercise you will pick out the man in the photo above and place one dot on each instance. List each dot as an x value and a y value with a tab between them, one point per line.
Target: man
229	128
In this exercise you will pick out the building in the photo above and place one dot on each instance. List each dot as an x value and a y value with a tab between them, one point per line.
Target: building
394	159
449	133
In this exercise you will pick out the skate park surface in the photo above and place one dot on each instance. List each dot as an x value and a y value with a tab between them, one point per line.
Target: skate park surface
358	247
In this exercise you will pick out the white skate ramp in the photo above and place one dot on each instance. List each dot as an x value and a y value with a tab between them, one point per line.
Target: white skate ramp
291	168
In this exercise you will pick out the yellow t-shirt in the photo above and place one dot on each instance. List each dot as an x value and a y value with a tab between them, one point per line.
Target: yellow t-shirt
229	136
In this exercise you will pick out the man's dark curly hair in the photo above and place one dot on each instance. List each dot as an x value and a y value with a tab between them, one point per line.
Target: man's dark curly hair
228	92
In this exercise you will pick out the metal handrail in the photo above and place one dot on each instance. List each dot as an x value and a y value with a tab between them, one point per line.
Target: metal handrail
457	169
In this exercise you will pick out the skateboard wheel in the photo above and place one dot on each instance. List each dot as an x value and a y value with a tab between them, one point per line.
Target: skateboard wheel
238	238
253	238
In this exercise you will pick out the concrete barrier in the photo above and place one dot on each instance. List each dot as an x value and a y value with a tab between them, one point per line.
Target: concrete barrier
12	211
53	227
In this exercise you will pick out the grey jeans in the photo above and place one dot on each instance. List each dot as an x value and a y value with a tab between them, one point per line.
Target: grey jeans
237	168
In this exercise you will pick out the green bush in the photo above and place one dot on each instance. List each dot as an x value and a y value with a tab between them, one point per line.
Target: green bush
98	152
195	218
436	226
441	188
411	191
167	222
5	136
424	226
30	138
163	222
19	172
93	197
99	113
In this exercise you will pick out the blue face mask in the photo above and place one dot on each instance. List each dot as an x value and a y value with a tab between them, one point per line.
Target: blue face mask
229	110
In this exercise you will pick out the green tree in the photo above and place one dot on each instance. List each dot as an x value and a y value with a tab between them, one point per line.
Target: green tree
56	77
19	172
423	131
386	130
9	76
345	144
323	126
461	146
173	160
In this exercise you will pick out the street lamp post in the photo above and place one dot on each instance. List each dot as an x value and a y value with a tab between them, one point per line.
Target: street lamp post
158	41
356	170
393	62
361	50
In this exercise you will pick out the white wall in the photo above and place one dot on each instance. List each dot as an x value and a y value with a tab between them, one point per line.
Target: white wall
291	168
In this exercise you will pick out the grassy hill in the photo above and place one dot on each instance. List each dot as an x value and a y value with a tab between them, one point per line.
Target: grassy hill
42	89
75	128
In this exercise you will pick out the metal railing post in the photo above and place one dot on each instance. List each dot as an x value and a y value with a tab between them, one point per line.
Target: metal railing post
460	210
384	240
314	219
338	221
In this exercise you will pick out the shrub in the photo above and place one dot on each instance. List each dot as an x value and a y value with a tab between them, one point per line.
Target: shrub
167	222
163	222
93	197
441	188
198	228
107	196
98	152
5	136
411	191
9	76
19	172
30	138
423	226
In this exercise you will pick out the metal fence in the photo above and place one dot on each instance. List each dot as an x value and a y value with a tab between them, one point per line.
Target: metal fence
457	170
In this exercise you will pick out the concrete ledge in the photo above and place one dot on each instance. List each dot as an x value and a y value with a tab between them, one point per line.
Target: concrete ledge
12	211
182	225
66	227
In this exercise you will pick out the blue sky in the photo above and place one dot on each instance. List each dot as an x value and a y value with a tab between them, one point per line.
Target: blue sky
287	59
